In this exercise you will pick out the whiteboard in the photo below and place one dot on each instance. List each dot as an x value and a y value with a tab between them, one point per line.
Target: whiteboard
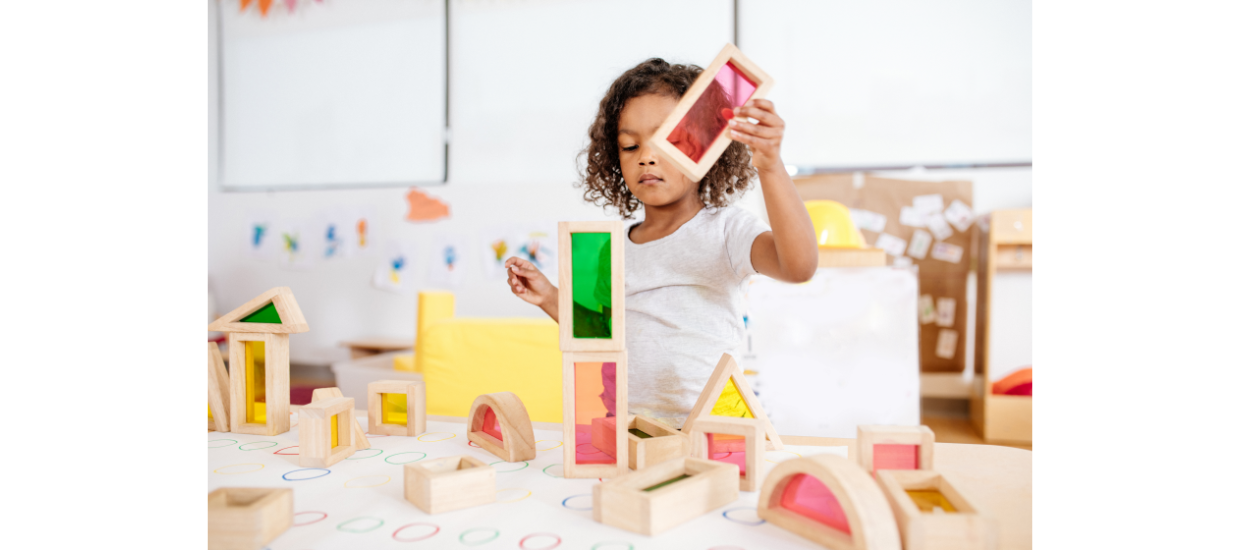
340	93
897	82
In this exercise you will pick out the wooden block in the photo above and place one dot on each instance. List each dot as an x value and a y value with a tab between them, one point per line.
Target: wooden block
665	443
567	341
450	483
728	369
750	428
217	390
697	169
912	448
1009	419
509	419
291	319
572	424
258	405
633	503
415	407
247	518
318	422
830	501
360	442
962	527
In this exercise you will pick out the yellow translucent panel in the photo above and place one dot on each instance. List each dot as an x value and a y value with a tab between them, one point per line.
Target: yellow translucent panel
256	382
335	422
395	408
209	417
731	403
927	501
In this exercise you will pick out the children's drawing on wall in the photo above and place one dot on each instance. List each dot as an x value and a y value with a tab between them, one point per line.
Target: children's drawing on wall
534	242
259	243
395	271
333	229
496	246
537	247
423	207
445	265
296	248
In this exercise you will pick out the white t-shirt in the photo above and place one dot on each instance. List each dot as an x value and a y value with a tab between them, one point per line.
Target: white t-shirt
683	308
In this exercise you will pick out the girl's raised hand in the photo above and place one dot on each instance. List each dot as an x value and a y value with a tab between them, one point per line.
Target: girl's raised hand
763	138
529	284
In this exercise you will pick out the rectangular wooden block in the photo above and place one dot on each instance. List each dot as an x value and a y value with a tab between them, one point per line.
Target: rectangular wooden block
898	447
319	422
415	407
567	341
618	444
754	445
450	483
247	518
217	390
665	443
958	525
665	495
274	384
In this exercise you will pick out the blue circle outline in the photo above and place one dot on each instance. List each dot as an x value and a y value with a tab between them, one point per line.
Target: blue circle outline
285	476
751	524
564	503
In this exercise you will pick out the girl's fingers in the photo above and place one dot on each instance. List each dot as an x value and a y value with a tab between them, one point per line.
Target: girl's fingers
764	116
754	129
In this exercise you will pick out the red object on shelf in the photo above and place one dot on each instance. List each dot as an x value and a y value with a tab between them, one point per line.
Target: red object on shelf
1017	383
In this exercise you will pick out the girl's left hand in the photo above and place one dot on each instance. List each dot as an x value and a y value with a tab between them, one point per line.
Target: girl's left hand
763	138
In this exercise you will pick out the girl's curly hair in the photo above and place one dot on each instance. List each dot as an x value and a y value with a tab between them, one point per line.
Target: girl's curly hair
601	176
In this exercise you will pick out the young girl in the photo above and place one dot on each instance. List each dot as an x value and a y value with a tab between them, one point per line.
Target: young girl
686	261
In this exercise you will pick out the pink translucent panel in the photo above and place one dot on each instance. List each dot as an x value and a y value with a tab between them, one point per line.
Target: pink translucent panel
708	117
807	496
594	404
490	425
725	448
895	457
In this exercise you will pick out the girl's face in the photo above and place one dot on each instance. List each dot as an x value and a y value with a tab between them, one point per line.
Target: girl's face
651	179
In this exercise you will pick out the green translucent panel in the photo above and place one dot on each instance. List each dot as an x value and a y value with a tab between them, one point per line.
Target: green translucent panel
265	314
668	482
640	433
591	285
256	382
395	408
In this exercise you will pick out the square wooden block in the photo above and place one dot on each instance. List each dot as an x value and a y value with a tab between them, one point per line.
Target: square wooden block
665	495
934	515
247	518
258	383
450	483
895	448
385	400
325	432
704	446
656	443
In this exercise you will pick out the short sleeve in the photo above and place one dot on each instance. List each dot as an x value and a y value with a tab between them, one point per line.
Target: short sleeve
741	228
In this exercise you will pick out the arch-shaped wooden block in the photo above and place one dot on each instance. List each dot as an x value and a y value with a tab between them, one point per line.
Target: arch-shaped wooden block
831	501
499	424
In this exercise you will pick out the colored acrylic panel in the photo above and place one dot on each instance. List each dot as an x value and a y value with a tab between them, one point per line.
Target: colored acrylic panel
731	403
727	448
807	496
256	382
490	424
640	434
591	285
395	408
335	426
895	457
929	500
666	483
709	115
265	314
594	397
209	417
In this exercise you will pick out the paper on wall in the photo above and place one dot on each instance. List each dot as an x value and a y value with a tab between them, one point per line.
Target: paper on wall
928	204
902	262
445	261
947	252
865	219
395	270
946	347
911	217
925	309
946	312
920	244
938	226
892	244
259	240
959	215
297	247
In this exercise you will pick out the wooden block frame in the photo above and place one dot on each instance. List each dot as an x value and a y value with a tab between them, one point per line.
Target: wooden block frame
618	237
217	390
314	431
291	319
275	361
870	520
360	442
247	518
726	369
697	170
571	468
964	529
449	483
514	423
751	428
622	502
665	443
415	407
870	435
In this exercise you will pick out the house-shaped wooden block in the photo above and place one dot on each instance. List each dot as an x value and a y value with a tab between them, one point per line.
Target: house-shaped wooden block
500	425
258	361
450	483
665	495
396	407
831	501
895	448
737	441
650	441
934	515
727	394
247	518
217	390
325	432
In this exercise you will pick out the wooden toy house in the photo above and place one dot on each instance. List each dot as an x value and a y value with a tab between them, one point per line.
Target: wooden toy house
396	407
895	448
247	518
450	483
500	425
934	515
831	501
667	494
727	394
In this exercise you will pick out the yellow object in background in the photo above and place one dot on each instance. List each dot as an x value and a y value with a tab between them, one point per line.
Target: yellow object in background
432	306
833	225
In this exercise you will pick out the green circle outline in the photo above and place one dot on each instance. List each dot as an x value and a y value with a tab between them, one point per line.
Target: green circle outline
365	457
389	458
544	470
273	444
234	441
461	538
348	521
527	465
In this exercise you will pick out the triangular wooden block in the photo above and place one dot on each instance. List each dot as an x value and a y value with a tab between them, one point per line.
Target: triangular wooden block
359	435
217	389
728	370
273	312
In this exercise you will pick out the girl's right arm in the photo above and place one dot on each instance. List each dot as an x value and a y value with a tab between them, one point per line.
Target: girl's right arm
529	284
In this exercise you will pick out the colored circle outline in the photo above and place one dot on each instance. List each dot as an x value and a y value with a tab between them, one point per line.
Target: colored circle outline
564	502
544	470
558	541
346	484
595	547
526	464
285	476
389	457
403	527
561	444
346	522
527	494
298	447
472	444
437	440
260	466
234	441
273	444
749	523
355	457
461	537
309	522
